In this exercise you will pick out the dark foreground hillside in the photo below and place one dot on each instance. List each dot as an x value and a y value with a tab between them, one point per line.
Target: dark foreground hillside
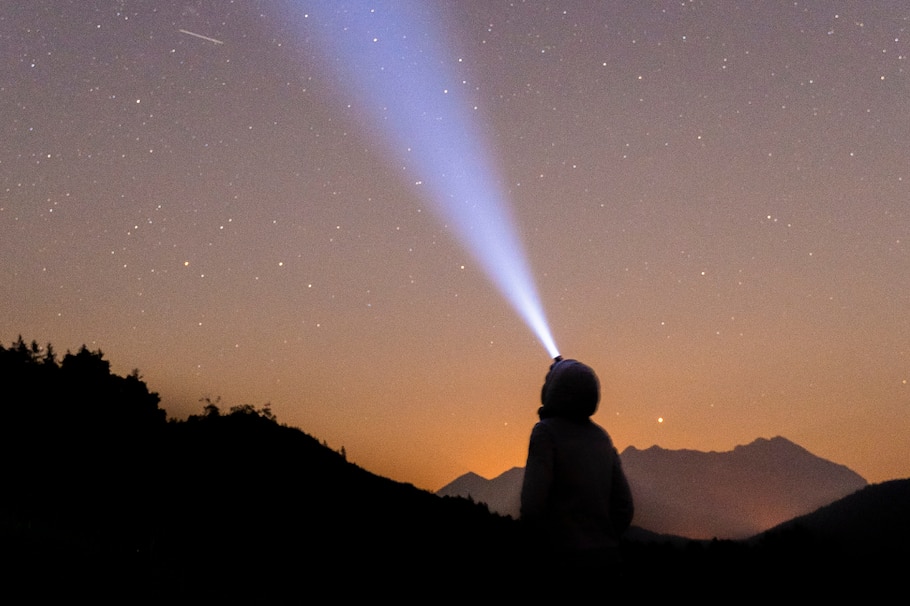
857	547
102	493
104	499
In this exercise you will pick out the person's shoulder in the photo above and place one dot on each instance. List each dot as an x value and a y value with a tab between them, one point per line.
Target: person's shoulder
542	426
599	427
553	427
543	434
549	424
600	430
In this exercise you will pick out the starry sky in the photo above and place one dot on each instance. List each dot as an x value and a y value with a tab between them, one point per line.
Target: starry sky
713	196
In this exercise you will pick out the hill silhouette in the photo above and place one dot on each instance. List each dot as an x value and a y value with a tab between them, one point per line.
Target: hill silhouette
876	518
104	498
100	491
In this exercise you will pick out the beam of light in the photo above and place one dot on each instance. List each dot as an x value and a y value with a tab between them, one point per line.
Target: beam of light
390	57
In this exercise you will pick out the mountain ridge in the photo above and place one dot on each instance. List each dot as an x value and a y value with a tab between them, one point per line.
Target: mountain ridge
732	494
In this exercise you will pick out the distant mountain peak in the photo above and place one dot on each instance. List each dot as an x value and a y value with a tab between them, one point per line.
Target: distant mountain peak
515	471
502	494
775	442
472	476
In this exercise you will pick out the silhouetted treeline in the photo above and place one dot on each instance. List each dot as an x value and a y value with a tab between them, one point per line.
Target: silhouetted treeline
78	445
101	488
103	496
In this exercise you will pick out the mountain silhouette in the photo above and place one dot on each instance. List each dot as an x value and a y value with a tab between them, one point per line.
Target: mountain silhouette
501	494
703	495
854	549
878	515
857	546
245	510
734	494
105	498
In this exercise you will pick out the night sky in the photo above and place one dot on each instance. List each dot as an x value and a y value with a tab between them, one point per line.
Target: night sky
714	198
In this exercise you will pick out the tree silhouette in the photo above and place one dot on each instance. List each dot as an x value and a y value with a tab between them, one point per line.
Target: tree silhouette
77	445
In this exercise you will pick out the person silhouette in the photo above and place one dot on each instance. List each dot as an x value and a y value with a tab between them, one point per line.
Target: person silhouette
575	498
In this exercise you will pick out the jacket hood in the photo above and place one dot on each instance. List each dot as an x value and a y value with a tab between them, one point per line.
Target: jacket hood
571	390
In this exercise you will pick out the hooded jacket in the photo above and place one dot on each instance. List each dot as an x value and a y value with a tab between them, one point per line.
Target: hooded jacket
575	496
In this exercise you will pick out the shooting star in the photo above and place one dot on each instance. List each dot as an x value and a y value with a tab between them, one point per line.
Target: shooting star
189	33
